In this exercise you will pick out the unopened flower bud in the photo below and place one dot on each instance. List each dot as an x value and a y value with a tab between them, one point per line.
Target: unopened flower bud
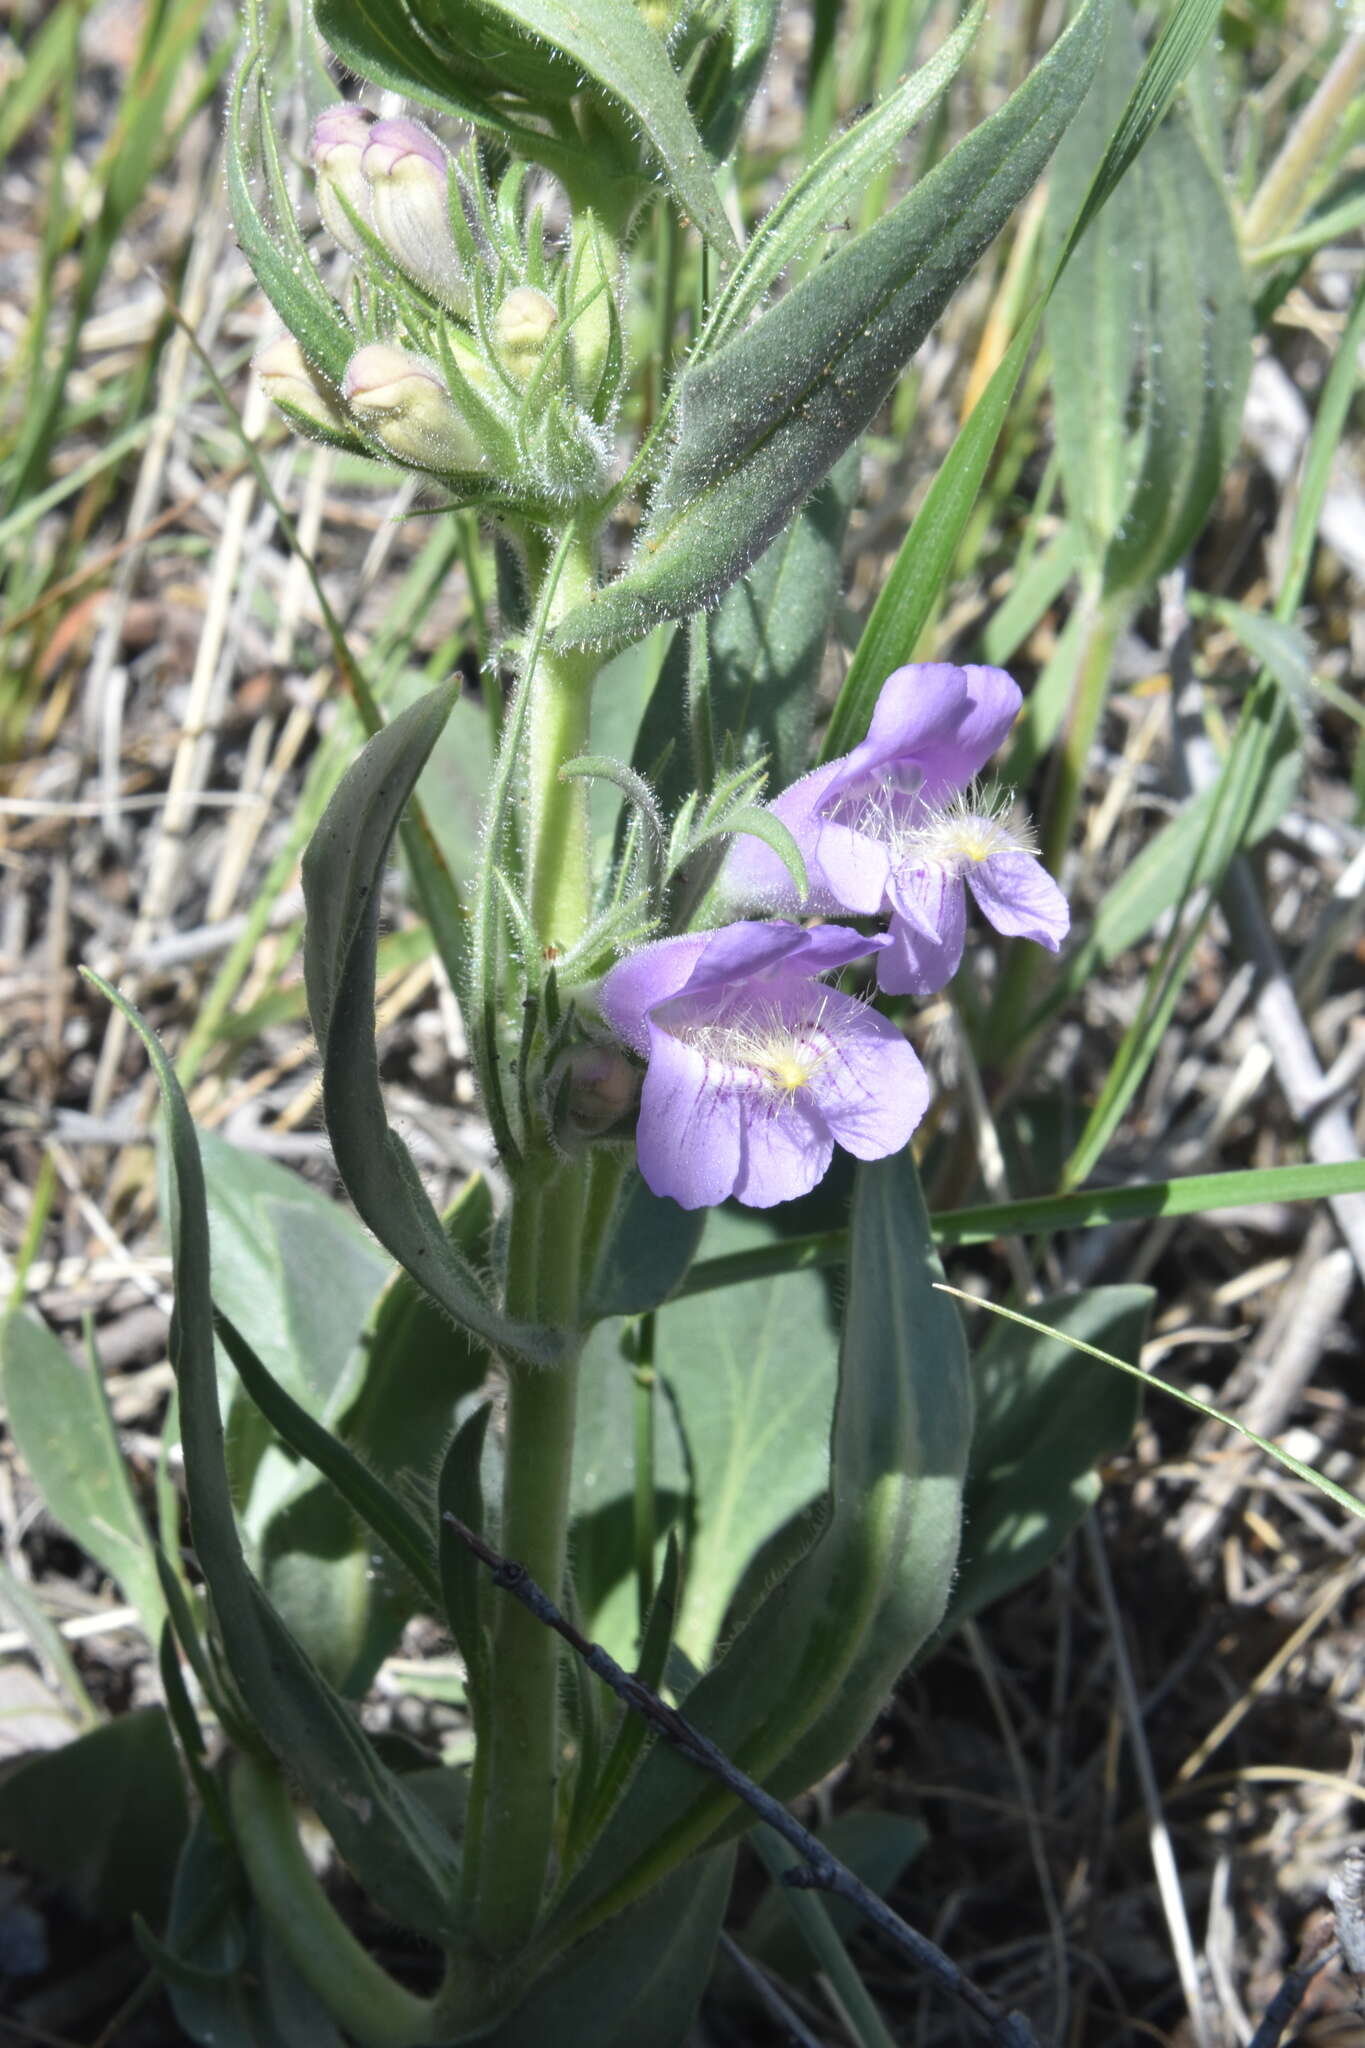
301	395
594	1090
408	174
402	400
339	139
522	325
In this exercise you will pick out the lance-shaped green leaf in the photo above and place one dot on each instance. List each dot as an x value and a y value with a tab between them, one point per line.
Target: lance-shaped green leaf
637	1982
1150	331
1043	1423
105	1813
61	1422
725	81
922	567
378	1507
269	235
823	195
396	1850
649	1244
342	872
766	642
803	1677
765	417
464	55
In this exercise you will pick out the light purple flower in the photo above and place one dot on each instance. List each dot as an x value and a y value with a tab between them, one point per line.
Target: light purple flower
408	174
756	1068
893	827
340	137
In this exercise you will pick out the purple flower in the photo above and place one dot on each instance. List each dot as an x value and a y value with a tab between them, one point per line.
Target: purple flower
894	827
756	1068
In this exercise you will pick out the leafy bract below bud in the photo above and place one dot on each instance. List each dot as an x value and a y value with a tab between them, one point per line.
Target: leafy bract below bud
522	325
402	400
408	174
591	295
306	402
339	139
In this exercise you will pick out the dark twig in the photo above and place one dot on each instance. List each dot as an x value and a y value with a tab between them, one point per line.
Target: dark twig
823	1872
1290	1995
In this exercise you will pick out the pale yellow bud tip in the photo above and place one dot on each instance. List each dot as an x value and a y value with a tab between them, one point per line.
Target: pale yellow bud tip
522	325
403	401
287	379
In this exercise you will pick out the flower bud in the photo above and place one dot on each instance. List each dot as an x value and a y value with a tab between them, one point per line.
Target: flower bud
402	400
522	325
302	397
593	1090
339	138
409	184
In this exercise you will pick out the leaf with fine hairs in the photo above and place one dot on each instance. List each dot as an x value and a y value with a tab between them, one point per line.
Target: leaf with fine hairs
342	873
404	1860
768	414
803	1676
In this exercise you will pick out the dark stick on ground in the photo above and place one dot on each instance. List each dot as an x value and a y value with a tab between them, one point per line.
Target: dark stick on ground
823	1872
1291	1993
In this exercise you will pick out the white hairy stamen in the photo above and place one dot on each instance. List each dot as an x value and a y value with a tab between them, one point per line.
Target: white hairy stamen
767	1047
970	828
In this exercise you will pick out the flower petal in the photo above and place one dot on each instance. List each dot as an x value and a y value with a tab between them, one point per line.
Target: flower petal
829	946
869	1086
949	720
928	929
854	866
785	1149
1018	896
689	1136
754	874
639	983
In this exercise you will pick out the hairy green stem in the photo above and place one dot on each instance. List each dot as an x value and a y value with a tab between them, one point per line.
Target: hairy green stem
560	705
374	2010
523	1716
544	1262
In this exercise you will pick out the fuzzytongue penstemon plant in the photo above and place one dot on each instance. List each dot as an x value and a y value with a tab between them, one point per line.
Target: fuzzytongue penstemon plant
641	1060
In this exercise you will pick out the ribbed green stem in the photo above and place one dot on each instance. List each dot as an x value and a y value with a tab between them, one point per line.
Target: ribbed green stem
373	2009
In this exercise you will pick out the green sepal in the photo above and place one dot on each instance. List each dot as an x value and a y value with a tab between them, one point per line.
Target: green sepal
274	247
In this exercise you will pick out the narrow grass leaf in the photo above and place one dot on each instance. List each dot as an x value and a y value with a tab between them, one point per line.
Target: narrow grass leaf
1317	1480
1196	1194
917	577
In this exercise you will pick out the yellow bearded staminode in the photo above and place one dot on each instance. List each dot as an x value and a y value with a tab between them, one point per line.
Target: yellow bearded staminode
975	827
780	1053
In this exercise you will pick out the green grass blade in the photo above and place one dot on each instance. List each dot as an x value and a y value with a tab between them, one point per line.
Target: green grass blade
918	575
1195	1194
1317	1480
